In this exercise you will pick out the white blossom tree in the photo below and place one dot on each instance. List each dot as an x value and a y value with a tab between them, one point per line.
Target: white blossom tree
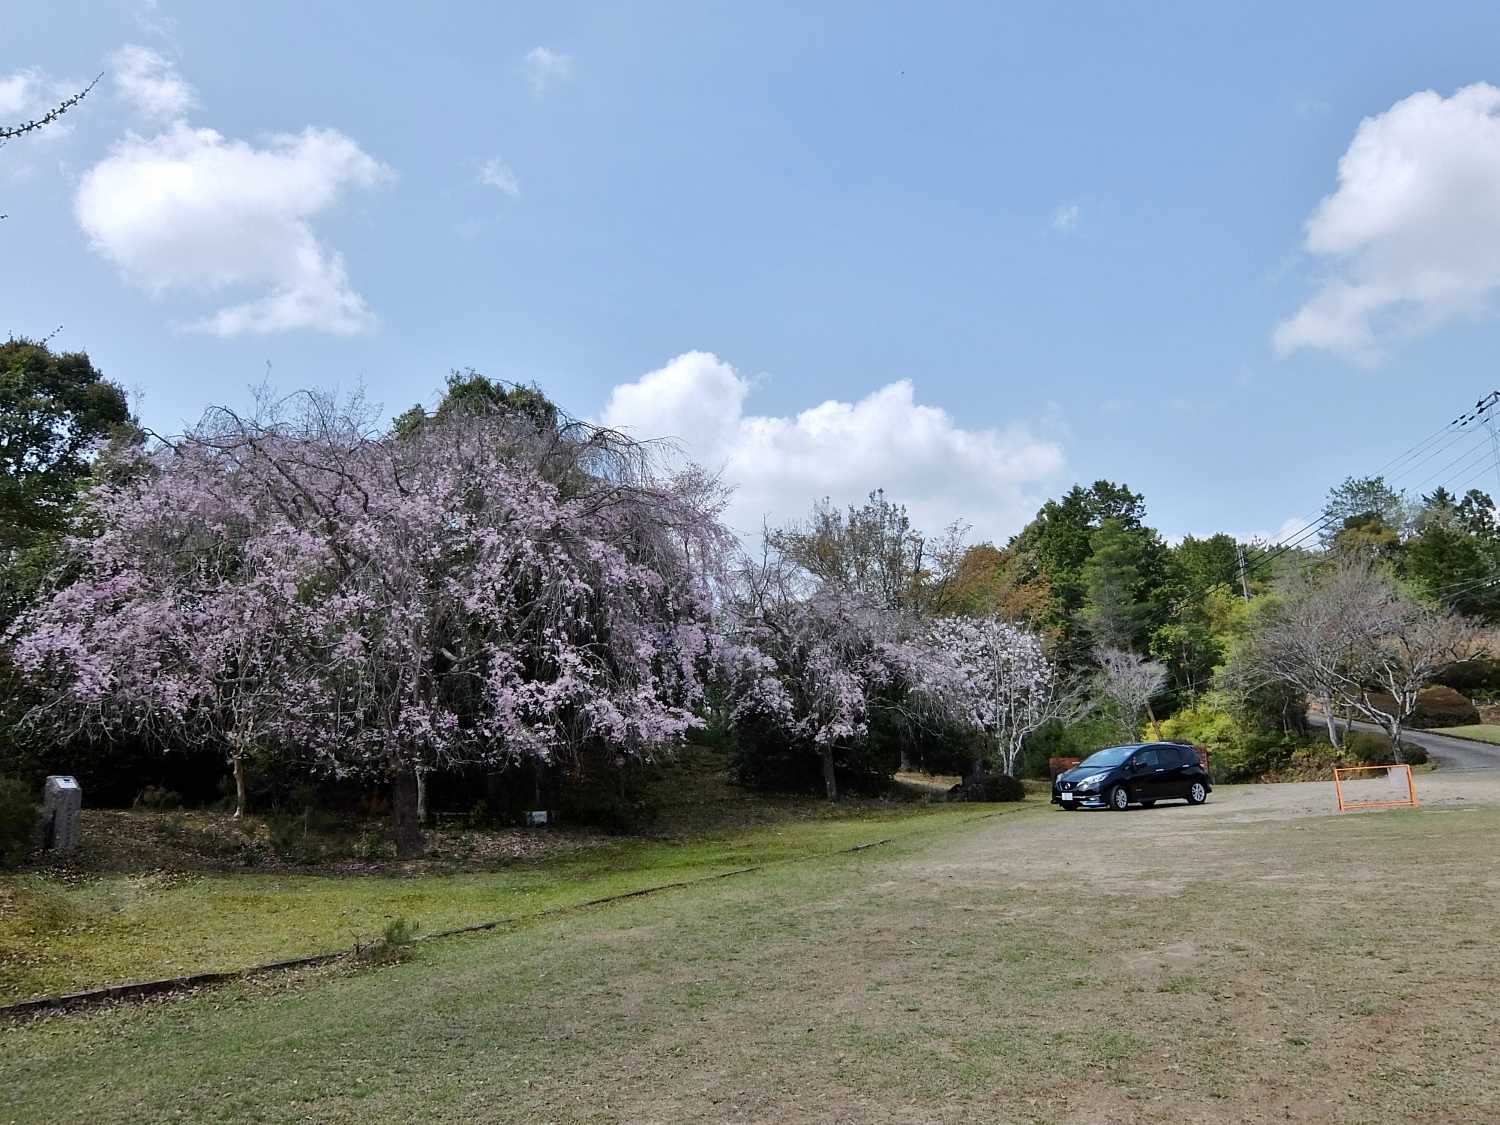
996	678
805	661
473	590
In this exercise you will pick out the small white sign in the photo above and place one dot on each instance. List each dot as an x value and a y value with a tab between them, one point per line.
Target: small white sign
1067	796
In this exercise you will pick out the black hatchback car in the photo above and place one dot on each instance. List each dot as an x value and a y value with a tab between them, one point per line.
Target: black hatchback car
1139	774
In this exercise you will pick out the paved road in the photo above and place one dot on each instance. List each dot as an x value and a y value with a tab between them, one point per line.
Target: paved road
1449	753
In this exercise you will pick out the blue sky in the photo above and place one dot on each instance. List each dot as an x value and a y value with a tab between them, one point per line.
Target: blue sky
1020	246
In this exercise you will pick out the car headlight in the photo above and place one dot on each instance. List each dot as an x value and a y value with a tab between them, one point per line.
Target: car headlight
1092	779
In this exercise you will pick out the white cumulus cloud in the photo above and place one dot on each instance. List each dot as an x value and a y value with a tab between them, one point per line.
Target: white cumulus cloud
780	465
1411	236
546	69
25	94
497	174
151	84
191	210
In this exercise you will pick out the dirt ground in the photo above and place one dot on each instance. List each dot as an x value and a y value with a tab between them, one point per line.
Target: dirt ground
1244	803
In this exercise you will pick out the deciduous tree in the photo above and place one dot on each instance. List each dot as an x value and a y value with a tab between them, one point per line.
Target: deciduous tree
996	678
475	591
1130	681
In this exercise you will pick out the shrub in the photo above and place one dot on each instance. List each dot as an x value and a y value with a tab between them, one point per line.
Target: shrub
393	944
158	797
1237	751
1066	740
1479	675
372	845
1436	707
19	818
605	794
609	810
991	787
291	839
764	758
1366	748
1440	706
931	746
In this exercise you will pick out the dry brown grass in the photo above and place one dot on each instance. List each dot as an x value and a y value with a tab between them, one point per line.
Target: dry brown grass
1253	960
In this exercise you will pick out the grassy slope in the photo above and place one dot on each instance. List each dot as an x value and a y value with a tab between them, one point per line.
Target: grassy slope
1479	732
68	933
1327	970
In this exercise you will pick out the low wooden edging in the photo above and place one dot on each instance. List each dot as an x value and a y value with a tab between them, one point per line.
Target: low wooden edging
139	990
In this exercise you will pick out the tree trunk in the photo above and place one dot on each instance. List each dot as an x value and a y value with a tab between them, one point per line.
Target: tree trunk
1155	726
1331	721
422	798
830	781
1395	733
976	771
238	761
408	827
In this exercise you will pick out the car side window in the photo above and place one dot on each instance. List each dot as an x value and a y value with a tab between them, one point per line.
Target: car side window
1146	759
1188	756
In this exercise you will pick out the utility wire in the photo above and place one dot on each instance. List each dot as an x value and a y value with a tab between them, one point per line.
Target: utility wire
1418	455
1432	446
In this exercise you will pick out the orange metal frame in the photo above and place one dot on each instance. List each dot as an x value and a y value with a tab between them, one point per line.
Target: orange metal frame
1345	806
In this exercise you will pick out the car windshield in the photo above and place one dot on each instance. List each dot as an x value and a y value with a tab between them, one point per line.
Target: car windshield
1112	756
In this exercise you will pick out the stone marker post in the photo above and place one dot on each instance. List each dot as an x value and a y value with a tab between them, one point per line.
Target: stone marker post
62	800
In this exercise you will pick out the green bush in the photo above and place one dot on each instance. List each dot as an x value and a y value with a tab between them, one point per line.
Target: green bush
393	944
1236	751
1066	740
19	818
372	845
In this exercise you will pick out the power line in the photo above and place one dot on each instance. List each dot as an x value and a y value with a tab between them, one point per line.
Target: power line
1427	445
1418	455
1432	446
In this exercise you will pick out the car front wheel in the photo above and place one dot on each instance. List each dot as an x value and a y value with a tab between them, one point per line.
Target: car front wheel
1119	799
1197	794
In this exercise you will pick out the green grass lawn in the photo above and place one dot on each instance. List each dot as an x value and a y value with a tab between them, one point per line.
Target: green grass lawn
70	932
1151	967
1479	732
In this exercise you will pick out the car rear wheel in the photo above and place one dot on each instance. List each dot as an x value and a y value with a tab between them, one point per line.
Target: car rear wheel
1119	799
1197	794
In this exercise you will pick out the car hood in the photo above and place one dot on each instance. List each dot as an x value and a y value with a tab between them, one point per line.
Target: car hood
1078	773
